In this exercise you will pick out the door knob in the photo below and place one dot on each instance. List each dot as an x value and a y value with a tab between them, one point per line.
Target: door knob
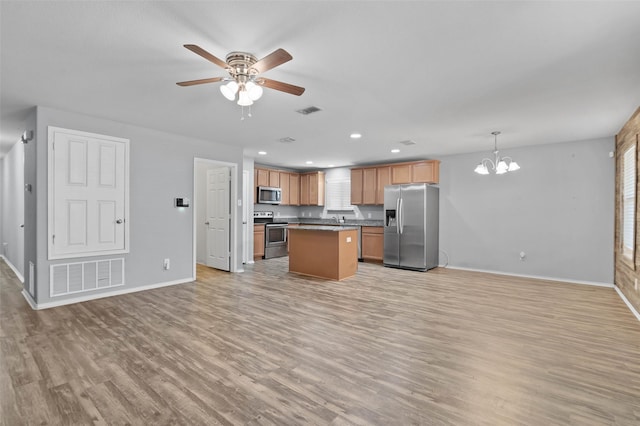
119	221
206	223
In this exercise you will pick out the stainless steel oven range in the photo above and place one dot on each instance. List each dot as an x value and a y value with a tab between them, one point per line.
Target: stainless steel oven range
275	235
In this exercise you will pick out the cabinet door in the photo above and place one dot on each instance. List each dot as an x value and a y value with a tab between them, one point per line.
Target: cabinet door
258	241
356	187
369	186
304	190
320	188
372	243
383	178
274	178
313	189
284	185
294	189
262	177
400	173
425	172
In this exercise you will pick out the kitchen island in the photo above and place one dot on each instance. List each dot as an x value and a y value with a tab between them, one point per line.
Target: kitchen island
329	252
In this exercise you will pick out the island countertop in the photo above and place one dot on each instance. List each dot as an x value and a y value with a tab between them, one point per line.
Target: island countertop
331	228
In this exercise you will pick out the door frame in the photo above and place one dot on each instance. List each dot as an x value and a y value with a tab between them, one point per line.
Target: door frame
233	196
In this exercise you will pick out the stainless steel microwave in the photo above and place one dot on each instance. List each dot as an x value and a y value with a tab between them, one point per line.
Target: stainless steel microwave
269	195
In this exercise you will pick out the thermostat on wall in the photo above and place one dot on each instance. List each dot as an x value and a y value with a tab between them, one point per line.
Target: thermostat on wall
182	202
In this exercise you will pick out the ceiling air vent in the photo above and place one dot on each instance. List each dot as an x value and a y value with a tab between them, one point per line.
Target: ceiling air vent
309	110
408	142
287	139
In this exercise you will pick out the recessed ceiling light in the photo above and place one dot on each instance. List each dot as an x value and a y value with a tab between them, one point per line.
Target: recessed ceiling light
355	135
309	162
395	150
262	152
331	165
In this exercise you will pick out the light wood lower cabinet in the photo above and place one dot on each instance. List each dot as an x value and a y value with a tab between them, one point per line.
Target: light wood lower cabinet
373	243
258	241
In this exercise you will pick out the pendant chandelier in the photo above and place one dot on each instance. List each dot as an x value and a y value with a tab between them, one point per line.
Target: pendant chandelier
499	165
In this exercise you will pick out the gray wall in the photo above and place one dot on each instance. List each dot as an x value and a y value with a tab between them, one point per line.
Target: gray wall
558	209
12	206
161	168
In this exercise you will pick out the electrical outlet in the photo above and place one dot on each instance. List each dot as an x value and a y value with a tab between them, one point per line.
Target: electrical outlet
368	215
166	265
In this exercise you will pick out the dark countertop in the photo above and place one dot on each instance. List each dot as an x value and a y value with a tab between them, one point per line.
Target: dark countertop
328	228
329	222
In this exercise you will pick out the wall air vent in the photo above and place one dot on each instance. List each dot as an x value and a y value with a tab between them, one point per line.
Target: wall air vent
408	142
309	110
287	139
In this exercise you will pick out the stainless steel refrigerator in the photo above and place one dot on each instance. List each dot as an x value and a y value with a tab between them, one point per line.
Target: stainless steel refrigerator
411	226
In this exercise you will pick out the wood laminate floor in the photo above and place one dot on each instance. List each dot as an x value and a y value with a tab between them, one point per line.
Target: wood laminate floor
386	347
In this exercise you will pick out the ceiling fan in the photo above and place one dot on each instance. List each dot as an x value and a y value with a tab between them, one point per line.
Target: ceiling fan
244	74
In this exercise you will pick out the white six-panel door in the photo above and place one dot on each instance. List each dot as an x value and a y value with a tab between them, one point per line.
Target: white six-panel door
88	194
218	217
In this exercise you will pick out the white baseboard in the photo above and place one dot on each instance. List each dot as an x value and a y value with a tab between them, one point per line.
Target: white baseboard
86	298
626	301
537	277
13	268
30	300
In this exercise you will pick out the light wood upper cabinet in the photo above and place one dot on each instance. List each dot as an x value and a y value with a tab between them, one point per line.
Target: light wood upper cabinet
294	189
262	177
369	186
304	190
316	188
312	189
400	173
284	185
274	178
367	183
425	172
356	186
383	178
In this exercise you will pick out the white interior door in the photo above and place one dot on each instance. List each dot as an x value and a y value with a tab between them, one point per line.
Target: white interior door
246	196
218	217
88	190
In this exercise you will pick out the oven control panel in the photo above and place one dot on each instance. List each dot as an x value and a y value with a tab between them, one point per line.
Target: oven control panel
263	215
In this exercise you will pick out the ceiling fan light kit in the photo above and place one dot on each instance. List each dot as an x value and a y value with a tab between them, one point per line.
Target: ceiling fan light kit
499	165
244	75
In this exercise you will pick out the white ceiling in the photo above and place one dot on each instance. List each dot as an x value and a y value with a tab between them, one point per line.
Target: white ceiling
443	74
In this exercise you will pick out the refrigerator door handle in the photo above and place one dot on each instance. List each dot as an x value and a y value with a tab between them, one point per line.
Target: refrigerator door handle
397	215
401	216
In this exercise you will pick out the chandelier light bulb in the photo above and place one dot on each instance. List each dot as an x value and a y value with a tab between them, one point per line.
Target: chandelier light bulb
229	90
244	99
254	90
513	166
501	167
481	169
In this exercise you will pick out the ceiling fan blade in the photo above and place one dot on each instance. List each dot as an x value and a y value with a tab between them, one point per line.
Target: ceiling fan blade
202	81
283	87
272	60
208	56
